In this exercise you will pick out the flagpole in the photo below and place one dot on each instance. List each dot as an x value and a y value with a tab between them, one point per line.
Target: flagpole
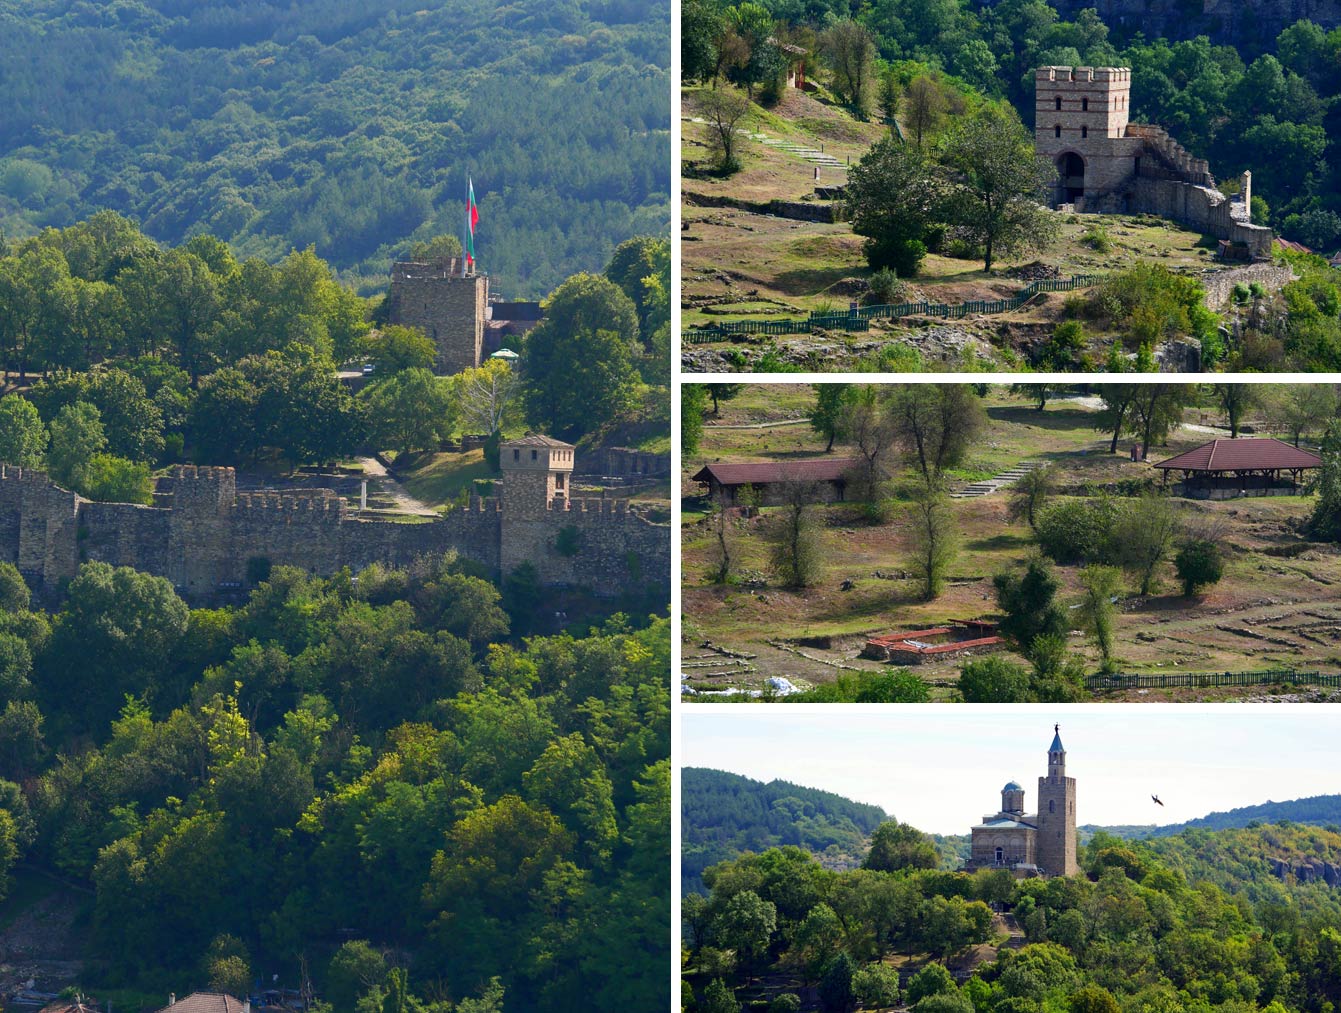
465	233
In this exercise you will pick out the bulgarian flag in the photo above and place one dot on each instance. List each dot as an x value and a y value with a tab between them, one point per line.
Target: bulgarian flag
472	219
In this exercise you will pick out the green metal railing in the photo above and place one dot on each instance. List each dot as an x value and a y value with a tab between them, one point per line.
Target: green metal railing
860	319
1204	680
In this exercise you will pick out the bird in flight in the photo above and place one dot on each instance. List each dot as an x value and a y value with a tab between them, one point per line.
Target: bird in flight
1155	799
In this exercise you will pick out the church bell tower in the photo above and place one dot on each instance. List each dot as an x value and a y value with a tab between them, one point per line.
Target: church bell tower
1057	814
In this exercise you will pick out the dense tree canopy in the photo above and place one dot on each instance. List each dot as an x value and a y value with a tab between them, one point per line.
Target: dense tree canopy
350	127
239	786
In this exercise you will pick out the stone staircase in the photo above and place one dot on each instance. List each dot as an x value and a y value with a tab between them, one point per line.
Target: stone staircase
801	151
997	482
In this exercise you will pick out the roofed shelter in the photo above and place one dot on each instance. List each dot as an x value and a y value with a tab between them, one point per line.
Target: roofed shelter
829	475
1226	469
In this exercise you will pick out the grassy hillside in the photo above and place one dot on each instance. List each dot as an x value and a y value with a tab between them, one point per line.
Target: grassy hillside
346	125
1272	608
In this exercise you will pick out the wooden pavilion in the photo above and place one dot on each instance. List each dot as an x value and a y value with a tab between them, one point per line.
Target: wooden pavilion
1225	469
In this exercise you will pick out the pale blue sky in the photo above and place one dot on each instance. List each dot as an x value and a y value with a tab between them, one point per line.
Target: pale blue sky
941	769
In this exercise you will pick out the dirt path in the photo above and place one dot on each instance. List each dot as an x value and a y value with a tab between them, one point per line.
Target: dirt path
763	425
389	487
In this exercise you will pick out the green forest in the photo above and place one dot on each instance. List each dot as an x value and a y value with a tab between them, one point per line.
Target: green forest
726	814
373	776
1274	109
1197	922
1320	810
350	127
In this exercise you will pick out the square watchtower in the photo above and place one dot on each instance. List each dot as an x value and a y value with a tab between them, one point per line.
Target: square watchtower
1080	126
537	474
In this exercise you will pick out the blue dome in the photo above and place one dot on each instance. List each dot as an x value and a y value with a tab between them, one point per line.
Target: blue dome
1012	786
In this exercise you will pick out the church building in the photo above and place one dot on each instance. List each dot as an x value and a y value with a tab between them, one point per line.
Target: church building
1032	844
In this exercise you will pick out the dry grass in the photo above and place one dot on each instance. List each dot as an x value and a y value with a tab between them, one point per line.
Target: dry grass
1271	609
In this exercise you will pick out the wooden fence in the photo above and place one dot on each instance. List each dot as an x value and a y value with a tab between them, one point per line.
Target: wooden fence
859	319
1204	680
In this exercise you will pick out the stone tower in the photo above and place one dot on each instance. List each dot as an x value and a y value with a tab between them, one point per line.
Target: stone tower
1080	125
1056	850
450	309
537	481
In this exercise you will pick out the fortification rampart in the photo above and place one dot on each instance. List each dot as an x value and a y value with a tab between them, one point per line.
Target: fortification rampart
1220	284
209	537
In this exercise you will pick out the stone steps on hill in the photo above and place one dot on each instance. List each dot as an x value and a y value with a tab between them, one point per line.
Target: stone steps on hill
986	487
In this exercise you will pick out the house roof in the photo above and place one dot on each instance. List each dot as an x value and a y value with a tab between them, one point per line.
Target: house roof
205	1002
516	310
1291	245
819	469
1247	454
536	440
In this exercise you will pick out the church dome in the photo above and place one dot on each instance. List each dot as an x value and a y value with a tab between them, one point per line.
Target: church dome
1012	786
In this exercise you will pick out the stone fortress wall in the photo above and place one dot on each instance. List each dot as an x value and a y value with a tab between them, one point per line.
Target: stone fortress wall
1107	164
204	533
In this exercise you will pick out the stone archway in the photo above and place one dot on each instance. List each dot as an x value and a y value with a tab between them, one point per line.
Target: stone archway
1071	170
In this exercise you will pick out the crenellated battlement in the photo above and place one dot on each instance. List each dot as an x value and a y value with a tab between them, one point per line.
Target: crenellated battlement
205	535
592	507
1083	75
275	501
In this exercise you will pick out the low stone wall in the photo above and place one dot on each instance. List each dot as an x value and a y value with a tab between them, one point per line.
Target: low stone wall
801	211
1201	208
1219	285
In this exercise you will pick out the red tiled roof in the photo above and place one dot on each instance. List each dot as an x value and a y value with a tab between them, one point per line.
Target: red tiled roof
819	469
1242	455
1291	245
205	1002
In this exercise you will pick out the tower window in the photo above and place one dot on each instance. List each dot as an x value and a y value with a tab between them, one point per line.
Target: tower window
1084	131
516	455
1084	105
534	455
558	481
1052	806
1057	130
1058	100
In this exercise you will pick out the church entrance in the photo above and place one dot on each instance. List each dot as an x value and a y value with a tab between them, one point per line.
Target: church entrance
1071	168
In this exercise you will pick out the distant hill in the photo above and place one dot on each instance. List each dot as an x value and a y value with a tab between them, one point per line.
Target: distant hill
1320	810
727	814
350	125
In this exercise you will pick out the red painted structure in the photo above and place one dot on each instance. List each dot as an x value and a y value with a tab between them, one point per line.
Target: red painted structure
915	647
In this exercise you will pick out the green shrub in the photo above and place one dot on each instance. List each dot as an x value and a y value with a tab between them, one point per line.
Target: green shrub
1199	564
1098	239
1078	531
892	687
785	1002
1239	293
994	680
568	542
886	288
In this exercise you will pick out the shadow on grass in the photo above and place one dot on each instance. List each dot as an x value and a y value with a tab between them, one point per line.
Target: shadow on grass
870	603
1057	418
813	281
999	542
